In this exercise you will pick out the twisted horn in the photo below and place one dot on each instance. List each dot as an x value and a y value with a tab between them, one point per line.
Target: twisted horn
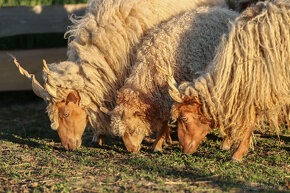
105	110
173	91
51	91
45	68
36	87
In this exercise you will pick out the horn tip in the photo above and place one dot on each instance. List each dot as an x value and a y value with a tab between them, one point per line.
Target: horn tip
105	110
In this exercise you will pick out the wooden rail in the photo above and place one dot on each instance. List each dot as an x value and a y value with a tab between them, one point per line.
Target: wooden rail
31	60
32	20
38	19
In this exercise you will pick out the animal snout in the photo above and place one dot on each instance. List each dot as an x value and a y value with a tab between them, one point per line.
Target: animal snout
189	148
72	144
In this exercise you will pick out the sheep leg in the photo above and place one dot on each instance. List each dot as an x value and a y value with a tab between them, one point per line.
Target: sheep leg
99	139
244	146
168	136
226	144
162	136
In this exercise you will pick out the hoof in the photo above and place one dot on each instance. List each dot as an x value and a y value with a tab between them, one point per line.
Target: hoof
225	147
97	140
226	144
100	142
157	149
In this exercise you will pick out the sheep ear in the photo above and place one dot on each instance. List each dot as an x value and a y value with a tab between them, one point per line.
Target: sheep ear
73	97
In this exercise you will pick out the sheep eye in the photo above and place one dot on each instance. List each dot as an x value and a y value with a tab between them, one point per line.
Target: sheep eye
184	119
131	131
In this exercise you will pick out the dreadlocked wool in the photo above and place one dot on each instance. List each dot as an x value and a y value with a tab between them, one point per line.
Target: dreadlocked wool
248	81
101	50
187	43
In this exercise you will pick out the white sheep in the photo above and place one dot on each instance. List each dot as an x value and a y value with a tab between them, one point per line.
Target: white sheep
246	85
187	43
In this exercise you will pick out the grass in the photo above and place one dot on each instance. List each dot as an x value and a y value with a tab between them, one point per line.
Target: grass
5	3
32	159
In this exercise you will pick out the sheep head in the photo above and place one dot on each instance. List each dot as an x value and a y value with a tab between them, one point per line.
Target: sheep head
67	116
129	119
193	125
72	121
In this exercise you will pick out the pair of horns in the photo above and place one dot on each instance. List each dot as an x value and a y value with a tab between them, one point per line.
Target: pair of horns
45	93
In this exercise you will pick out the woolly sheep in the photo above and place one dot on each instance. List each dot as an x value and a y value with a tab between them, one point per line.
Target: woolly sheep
246	85
186	42
99	59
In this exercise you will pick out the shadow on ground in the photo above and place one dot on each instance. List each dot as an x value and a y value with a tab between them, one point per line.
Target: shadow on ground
25	124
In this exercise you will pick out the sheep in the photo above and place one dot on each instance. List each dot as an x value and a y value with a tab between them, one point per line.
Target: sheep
100	52
246	85
186	42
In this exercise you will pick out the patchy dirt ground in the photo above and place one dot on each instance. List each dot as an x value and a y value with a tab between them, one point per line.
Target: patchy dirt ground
33	160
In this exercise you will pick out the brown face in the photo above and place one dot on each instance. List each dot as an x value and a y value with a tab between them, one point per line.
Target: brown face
129	119
133	141
133	137
72	121
192	125
130	124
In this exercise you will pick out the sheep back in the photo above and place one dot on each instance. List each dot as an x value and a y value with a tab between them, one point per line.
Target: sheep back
101	48
187	43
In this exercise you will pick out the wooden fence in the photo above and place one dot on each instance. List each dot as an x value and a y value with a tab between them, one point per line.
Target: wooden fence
32	20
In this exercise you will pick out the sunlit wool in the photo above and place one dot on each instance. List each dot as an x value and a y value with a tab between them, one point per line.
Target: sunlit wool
248	81
101	50
187	43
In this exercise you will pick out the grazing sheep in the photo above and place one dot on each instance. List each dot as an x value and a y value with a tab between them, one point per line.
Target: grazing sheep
186	42
247	84
99	59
